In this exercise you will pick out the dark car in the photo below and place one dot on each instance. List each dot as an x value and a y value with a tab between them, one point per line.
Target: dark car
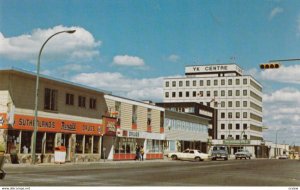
219	152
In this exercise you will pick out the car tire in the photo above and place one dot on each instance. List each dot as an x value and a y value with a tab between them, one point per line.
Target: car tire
198	159
174	157
225	158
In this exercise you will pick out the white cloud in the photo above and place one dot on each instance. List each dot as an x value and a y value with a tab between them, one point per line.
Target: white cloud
173	58
79	46
137	89
126	60
275	11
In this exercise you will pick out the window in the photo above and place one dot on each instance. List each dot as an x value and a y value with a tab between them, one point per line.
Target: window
223	82
245	126
229	81
25	141
187	83
229	114
244	103
237	126
237	114
200	93
245	92
222	92
180	94
229	92
50	101
173	94
39	142
215	93
50	139
230	126
201	82
81	101
237	104
96	144
222	136
237	137
180	83
69	99
92	103
149	116
79	141
237	81
222	126
216	82
237	92
167	94
88	144
167	83
215	104
208	93
194	93
245	115
208	83
194	83
222	104
134	114
222	115
187	94
244	81
245	137
229	103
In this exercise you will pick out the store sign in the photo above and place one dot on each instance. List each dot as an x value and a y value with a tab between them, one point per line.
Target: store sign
24	122
140	134
213	68
133	134
110	126
236	142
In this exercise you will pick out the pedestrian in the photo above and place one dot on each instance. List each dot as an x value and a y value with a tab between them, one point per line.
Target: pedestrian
142	153
137	152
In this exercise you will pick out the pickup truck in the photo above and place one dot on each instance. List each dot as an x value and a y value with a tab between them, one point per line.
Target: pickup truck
243	154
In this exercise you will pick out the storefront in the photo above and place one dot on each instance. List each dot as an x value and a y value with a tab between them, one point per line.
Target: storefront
81	139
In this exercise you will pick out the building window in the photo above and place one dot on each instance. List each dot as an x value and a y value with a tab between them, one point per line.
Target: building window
245	137
173	94
81	101
229	114
222	136
200	93
25	141
215	104
237	104
222	92
237	114
180	94
229	81
208	83
134	114
245	92
194	93
244	103
223	82
215	82
229	103
237	137
96	144
223	104
194	83
229	92
215	93
237	92
245	115
50	139
222	115
79	146
69	99
208	93
92	103
245	126
187	83
149	116
244	81
167	94
173	83
167	83
222	126
187	94
237	126
230	126
88	144
180	83
50	102
201	83
237	81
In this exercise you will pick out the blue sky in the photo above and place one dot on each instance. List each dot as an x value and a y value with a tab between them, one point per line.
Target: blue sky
128	47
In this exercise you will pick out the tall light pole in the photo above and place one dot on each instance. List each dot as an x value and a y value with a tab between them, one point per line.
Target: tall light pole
37	93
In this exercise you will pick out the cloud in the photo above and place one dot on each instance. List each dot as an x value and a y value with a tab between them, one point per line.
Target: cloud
79	46
173	58
126	60
274	12
141	89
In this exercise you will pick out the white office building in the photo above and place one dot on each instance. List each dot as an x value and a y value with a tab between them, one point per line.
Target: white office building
237	97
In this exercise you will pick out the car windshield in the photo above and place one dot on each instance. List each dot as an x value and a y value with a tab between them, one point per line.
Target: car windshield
219	148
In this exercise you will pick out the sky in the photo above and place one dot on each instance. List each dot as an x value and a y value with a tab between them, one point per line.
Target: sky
129	46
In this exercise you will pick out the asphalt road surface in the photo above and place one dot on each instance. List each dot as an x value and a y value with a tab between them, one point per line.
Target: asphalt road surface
258	172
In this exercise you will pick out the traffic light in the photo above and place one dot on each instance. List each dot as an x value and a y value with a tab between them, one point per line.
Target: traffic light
270	66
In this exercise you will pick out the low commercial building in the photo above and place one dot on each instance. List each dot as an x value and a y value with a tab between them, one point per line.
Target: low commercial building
68	114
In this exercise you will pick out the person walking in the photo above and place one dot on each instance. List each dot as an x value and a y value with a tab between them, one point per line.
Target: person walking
137	152
142	153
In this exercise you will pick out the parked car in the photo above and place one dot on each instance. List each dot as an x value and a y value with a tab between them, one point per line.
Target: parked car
219	152
243	153
189	154
284	156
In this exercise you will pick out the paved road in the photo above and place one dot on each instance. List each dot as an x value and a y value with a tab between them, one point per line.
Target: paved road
158	173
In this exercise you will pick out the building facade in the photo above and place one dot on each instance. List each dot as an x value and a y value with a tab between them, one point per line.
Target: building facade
237	97
69	115
137	124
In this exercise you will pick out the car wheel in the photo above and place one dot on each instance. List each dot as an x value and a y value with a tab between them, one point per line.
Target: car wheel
198	159
174	157
225	158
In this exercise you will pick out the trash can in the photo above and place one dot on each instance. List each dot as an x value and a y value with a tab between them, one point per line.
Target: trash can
60	154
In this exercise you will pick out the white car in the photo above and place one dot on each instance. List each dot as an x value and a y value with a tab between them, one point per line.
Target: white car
189	154
243	154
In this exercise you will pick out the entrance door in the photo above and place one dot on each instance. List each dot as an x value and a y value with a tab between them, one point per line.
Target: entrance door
66	142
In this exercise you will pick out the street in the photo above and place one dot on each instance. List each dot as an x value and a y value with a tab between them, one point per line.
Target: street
256	172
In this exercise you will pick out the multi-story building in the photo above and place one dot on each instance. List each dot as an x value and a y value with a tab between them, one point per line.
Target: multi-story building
237	97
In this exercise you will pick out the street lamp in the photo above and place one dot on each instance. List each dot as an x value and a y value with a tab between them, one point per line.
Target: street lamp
36	92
